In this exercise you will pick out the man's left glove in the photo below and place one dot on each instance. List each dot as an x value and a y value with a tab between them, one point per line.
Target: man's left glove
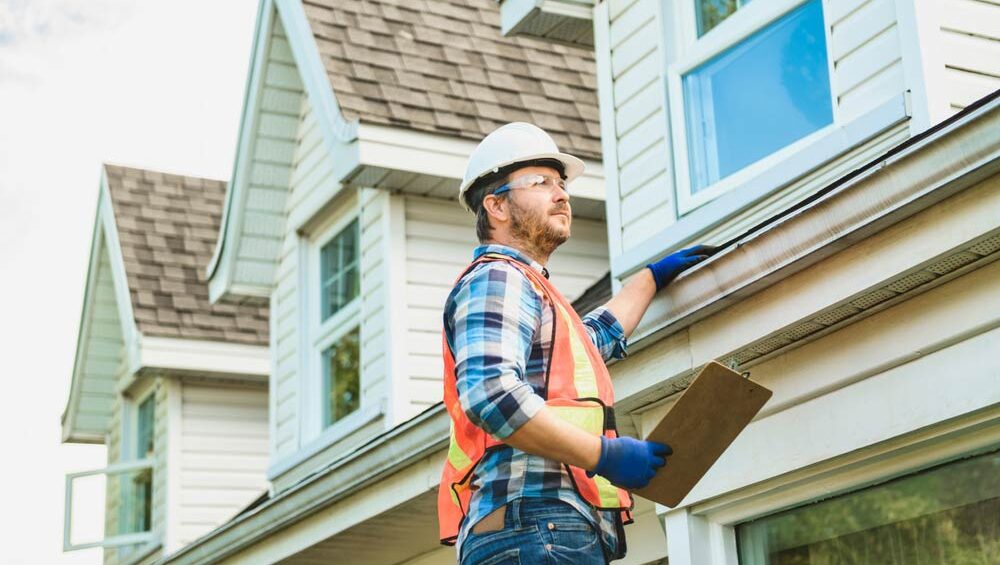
667	269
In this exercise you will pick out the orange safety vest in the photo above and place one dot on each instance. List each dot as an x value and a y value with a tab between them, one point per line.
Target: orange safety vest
578	391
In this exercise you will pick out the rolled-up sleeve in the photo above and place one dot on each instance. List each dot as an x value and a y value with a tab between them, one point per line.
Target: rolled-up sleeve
607	333
493	316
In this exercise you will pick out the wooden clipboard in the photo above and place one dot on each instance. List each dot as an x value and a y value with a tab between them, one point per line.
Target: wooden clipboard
717	405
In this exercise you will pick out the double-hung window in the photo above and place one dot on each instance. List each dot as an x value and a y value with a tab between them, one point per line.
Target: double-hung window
338	340
750	85
128	482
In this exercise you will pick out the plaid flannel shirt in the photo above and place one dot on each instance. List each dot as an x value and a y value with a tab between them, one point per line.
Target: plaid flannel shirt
500	334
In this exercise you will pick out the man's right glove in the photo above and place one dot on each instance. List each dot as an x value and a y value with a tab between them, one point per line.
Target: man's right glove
629	462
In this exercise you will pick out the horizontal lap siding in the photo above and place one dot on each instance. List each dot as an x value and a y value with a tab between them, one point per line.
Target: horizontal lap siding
270	168
642	147
440	238
160	425
310	171
866	53
112	488
223	455
374	292
104	350
970	42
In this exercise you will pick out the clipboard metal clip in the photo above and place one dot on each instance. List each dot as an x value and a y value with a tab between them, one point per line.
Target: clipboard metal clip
736	367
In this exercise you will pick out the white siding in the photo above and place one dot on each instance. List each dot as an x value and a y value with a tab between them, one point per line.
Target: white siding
970	36
374	297
223	455
645	182
160	425
112	488
440	237
103	349
866	53
311	171
269	171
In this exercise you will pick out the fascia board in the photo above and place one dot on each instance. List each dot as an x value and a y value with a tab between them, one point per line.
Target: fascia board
417	152
391	452
168	354
904	183
244	152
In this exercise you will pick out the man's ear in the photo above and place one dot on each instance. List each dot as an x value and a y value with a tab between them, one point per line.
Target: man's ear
496	207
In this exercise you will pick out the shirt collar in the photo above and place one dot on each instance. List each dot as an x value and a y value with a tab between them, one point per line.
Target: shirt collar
510	252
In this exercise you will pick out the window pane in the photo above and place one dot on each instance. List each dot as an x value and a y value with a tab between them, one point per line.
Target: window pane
948	514
135	511
759	96
145	423
341	380
338	270
712	12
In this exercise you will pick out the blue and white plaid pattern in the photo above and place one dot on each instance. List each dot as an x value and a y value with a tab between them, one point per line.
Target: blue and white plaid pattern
500	334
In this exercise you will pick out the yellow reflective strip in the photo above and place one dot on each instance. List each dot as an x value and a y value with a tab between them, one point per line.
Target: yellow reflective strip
589	418
584	378
607	492
456	456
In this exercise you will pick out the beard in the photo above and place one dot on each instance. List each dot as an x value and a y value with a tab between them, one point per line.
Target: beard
532	228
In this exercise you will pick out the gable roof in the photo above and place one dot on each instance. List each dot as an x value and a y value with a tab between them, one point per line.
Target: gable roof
446	69
167	227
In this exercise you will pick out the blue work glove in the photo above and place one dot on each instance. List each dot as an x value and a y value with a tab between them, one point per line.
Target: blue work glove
667	269
629	462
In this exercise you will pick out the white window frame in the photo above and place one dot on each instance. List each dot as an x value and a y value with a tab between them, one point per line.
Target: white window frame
710	527
127	462
321	334
693	52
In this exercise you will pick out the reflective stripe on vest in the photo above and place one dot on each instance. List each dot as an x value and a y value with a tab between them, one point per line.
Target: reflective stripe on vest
579	392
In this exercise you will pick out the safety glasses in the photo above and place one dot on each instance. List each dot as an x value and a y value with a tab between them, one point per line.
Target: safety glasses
533	181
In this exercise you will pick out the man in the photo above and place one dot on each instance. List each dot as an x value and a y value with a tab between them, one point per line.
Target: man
535	462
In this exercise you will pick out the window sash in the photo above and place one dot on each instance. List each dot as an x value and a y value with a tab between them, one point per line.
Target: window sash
694	52
117	539
340	270
342	392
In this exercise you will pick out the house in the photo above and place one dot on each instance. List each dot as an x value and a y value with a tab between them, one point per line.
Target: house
174	386
845	154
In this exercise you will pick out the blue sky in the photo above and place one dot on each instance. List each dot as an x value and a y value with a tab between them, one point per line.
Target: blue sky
156	84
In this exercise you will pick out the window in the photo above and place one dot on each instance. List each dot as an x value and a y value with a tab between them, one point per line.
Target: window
341	382
339	270
130	480
710	13
747	93
337	342
137	488
947	514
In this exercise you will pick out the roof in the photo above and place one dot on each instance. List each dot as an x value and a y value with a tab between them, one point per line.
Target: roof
441	66
167	228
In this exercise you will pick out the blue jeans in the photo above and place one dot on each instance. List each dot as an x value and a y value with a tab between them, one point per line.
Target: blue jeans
536	531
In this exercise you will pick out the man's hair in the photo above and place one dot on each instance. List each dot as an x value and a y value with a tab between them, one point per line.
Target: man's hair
486	184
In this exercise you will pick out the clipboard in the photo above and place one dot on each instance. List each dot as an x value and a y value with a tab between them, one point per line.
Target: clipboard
717	405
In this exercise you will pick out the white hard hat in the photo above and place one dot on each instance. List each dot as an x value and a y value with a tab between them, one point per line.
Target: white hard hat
514	143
